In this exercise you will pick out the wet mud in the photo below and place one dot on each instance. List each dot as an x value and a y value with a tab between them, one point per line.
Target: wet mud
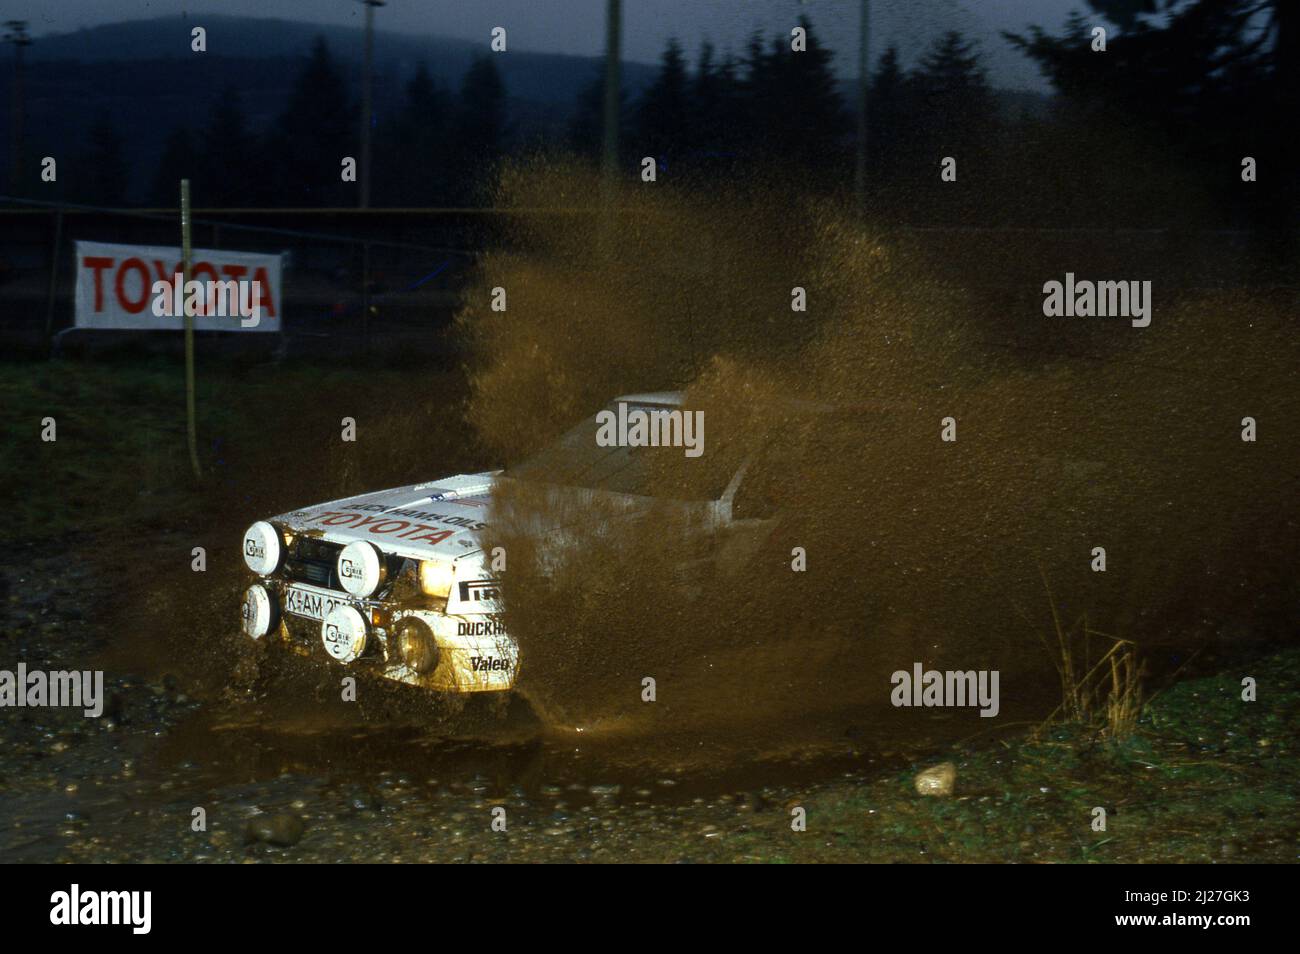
954	552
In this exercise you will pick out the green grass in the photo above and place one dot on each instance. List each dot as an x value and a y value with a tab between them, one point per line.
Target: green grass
266	436
1206	777
120	452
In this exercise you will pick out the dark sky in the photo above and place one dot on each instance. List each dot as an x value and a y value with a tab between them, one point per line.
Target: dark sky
577	26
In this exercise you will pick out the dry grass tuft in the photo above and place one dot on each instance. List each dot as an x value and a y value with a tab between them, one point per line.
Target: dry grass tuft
1111	706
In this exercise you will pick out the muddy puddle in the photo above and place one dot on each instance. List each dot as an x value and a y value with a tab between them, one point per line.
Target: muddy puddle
502	749
254	715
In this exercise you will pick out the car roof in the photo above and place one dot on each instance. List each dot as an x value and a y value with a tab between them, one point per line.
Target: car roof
671	398
797	405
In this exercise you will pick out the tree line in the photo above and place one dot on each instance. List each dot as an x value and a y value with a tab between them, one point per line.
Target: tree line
1166	111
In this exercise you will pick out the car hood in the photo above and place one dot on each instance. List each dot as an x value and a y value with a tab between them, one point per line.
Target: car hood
443	519
438	519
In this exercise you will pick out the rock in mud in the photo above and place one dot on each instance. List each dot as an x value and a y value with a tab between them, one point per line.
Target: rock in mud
280	829
750	802
937	780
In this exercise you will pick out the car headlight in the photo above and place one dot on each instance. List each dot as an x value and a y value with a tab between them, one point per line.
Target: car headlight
344	632
361	568
262	548
435	578
260	611
416	644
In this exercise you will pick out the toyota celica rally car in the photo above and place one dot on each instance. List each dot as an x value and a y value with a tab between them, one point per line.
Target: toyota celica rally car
396	581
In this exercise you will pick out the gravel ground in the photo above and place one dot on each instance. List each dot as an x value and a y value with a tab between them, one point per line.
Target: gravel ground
169	773
125	787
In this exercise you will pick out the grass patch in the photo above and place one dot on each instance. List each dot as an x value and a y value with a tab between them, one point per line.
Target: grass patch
1203	777
268	438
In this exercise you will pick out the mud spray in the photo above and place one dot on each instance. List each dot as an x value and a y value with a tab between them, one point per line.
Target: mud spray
171	620
917	549
1070	435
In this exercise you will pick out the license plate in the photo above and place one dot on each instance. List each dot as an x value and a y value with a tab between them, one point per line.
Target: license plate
310	602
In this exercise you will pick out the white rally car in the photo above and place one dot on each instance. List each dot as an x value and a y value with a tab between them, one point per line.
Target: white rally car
393	580
397	580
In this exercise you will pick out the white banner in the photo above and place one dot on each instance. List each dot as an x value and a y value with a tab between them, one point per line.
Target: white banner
135	287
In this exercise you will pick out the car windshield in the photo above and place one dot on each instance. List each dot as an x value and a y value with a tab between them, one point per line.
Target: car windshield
577	460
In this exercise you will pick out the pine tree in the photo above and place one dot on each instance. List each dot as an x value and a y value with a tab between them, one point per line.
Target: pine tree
794	111
756	92
813	91
662	117
953	95
106	174
317	129
1203	80
887	115
480	126
711	135
414	168
227	148
587	127
426	104
179	160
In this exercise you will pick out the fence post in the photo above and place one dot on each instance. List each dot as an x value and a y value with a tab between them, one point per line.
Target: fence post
54	279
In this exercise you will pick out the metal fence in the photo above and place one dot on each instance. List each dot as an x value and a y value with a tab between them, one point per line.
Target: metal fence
387	279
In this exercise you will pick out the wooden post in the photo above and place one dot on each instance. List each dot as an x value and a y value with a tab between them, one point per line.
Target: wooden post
860	145
189	331
613	88
612	116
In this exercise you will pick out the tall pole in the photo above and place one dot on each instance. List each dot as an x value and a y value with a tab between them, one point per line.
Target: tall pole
613	89
186	256
864	70
366	71
17	35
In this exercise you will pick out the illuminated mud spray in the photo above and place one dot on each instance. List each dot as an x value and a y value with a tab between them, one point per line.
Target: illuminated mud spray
914	488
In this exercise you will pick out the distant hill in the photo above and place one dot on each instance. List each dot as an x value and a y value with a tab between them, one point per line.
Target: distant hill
143	75
547	77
